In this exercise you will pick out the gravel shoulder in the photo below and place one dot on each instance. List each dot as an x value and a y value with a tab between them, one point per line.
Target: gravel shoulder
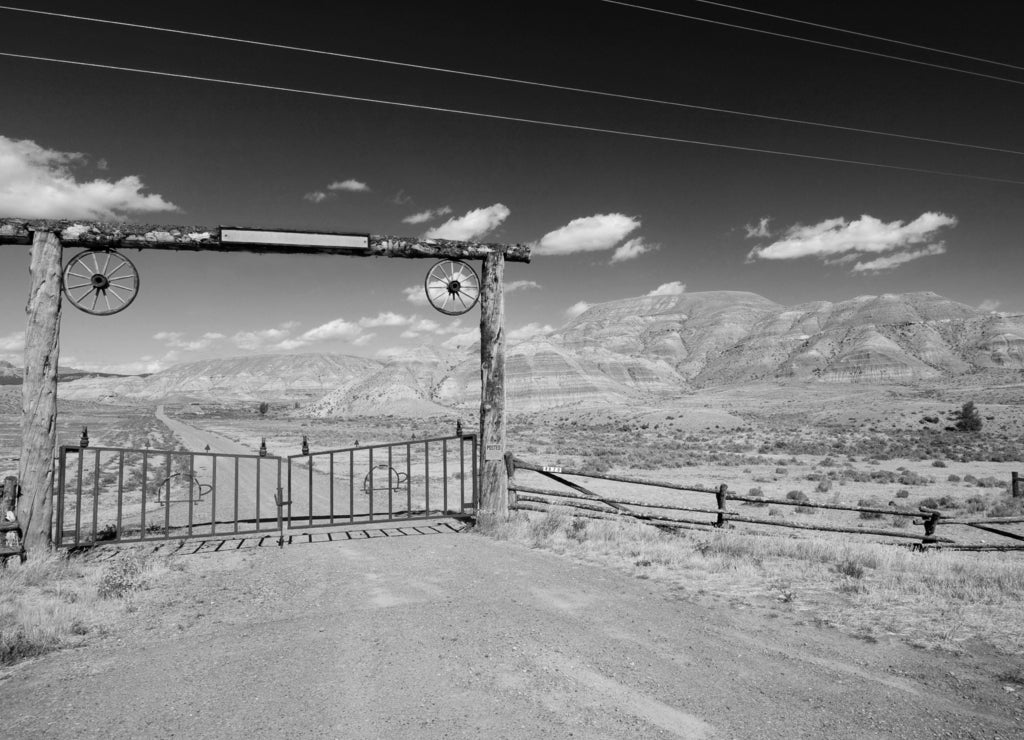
427	633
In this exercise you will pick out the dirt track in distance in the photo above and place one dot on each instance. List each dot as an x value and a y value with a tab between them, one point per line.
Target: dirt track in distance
455	635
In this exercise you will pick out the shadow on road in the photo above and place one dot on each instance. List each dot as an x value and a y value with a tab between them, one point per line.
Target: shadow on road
269	540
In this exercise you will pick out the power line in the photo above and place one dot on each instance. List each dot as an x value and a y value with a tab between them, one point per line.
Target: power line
813	41
861	34
513	80
514	119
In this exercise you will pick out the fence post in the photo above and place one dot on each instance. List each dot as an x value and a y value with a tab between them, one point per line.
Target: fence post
929	527
720	498
510	469
1015	484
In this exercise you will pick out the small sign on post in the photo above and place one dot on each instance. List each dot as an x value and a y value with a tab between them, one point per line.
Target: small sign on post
493	452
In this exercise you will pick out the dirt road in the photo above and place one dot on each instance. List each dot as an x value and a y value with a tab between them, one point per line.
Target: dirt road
457	636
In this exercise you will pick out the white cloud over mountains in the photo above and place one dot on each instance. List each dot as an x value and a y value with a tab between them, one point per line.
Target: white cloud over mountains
428	215
895	260
632	249
36	182
674	288
472	225
588	234
577	308
838	240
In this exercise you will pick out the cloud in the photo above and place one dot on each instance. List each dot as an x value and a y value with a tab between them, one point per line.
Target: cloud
587	234
577	308
760	231
317	196
867	235
176	340
254	340
38	183
428	215
13	342
363	339
334	329
385	318
529	331
351	186
515	285
416	294
987	305
674	288
632	249
474	224
900	258
401	199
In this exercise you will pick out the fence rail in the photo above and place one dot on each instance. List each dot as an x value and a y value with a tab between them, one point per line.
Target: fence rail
587	503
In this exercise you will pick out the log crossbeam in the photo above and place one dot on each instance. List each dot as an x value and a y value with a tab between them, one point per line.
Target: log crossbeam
102	234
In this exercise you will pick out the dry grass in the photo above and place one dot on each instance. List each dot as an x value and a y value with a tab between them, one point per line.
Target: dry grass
930	599
55	600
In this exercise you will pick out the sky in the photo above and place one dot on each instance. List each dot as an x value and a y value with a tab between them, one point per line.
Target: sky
610	215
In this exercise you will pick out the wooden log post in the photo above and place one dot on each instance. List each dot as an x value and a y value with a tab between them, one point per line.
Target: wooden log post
930	523
720	499
39	392
493	473
1015	484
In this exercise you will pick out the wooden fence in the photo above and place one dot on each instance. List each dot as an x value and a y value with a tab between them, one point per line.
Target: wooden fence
586	503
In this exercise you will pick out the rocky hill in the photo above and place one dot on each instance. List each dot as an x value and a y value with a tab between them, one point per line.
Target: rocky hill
623	350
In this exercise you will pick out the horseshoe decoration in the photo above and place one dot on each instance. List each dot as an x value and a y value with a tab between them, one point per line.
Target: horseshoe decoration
100	282
452	287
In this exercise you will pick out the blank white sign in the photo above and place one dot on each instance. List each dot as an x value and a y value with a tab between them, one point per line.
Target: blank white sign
293	238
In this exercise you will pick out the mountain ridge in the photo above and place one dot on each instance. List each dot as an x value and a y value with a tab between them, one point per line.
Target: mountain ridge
623	350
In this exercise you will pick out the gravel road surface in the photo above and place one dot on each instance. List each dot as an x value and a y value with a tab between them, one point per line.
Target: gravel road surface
428	633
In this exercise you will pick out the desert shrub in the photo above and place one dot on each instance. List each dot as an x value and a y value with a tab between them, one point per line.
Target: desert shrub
781	471
910	478
121	578
1007	506
851	568
824	485
990	482
798	496
953	478
970	479
757	493
948	502
975	504
903	493
805	510
872	503
968	419
263	408
928	503
938	464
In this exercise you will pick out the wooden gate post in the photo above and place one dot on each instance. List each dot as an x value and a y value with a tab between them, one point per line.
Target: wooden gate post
494	475
39	392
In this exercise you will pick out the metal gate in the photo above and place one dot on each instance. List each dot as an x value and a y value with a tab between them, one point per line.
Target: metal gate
112	494
400	481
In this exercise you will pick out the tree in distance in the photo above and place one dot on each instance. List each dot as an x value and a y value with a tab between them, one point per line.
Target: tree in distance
264	408
970	419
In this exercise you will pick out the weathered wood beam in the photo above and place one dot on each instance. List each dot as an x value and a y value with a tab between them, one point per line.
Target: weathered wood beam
39	392
85	234
494	474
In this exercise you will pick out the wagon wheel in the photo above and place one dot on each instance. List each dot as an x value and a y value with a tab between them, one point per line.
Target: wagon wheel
452	287
101	282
